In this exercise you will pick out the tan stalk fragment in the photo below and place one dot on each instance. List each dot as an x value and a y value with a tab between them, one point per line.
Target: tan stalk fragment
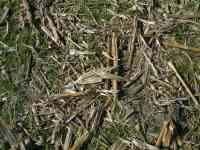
114	53
169	136
108	82
175	44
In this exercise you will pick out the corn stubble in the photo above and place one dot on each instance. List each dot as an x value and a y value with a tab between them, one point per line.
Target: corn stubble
102	74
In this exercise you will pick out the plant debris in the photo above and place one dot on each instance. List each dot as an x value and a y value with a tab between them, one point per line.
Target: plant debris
82	74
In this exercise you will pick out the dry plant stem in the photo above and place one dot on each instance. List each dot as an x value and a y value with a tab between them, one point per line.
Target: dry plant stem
108	61
107	82
118	146
65	94
74	43
55	130
73	69
184	84
7	31
49	34
27	8
84	107
181	46
131	45
35	116
167	136
92	16
97	118
4	15
115	63
151	64
53	28
94	126
81	140
159	140
133	80
164	137
68	139
161	82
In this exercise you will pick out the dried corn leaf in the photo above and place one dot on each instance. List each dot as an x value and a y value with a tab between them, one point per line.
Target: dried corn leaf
96	76
140	144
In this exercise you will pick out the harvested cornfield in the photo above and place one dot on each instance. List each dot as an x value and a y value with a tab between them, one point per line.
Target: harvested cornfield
89	74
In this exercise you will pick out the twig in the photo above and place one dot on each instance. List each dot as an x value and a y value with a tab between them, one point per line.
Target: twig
184	84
